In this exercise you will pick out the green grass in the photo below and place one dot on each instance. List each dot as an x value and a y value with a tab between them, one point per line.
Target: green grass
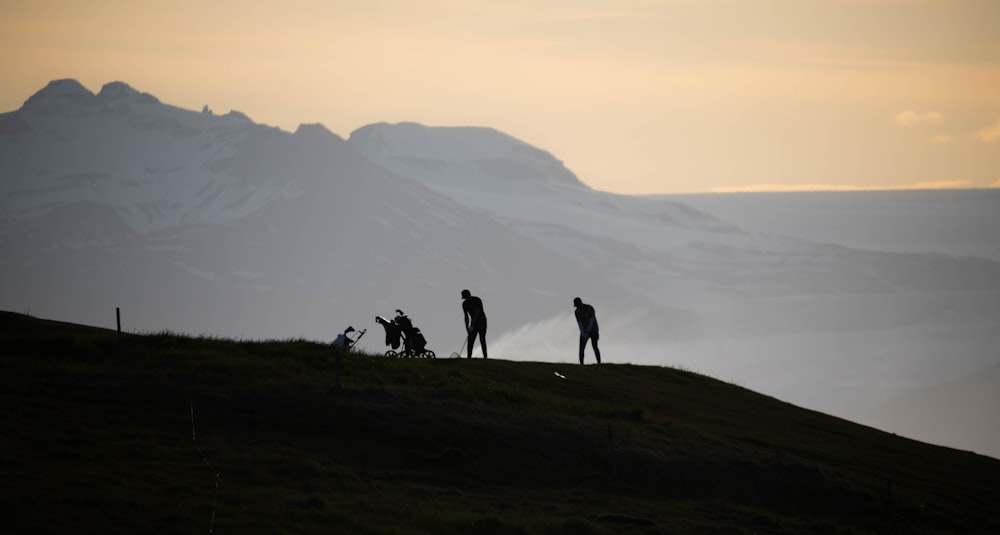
99	438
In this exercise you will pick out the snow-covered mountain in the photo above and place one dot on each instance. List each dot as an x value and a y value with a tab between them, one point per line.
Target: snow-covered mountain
207	224
196	222
668	251
156	166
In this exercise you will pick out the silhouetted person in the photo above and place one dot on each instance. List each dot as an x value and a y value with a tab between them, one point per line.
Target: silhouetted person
586	319
475	321
343	340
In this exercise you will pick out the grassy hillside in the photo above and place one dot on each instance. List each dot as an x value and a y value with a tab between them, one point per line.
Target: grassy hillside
165	433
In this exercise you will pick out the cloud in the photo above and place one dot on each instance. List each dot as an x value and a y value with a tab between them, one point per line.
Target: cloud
942	140
989	135
940	184
908	118
786	187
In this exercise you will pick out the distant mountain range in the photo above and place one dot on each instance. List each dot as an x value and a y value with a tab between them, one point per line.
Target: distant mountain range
213	224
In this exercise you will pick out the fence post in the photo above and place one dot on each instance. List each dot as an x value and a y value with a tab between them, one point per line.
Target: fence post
611	453
118	320
892	505
336	366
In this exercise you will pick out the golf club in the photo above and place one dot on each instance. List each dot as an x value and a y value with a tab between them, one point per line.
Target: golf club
458	354
360	334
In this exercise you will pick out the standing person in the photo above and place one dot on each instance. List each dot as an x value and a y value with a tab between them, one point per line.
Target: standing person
475	321
586	319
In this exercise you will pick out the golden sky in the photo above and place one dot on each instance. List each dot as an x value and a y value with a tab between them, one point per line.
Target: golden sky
635	96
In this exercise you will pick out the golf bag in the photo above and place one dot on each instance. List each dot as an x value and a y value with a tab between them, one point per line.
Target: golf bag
400	330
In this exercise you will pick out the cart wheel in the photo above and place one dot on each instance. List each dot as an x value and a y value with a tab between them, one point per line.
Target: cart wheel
390	353
429	354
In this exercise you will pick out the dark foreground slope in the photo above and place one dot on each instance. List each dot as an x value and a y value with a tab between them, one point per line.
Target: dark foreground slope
164	433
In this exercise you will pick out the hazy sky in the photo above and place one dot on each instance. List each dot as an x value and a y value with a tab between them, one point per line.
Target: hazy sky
635	96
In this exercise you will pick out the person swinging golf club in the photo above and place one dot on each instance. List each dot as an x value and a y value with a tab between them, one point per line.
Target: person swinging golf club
586	319
475	321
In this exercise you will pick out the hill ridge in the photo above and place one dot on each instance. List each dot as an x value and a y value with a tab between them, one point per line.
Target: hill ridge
102	428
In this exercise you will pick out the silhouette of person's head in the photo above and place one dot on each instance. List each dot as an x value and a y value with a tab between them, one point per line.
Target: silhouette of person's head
466	294
577	301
